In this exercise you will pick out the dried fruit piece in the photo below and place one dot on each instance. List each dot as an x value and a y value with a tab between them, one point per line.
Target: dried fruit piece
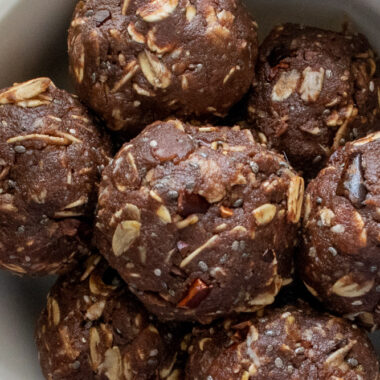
352	184
295	199
157	10
226	212
125	235
195	295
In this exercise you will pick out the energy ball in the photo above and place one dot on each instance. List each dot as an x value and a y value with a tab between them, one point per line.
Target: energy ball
93	328
340	259
293	342
199	221
315	90
135	62
51	155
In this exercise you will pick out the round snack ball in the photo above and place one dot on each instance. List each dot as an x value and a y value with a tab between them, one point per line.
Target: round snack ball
200	222
315	90
51	155
340	259
134	62
93	328
293	342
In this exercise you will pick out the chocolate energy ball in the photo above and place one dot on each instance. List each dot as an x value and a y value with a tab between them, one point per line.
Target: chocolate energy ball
340	259
293	342
315	90
135	62
51	155
199	221
93	328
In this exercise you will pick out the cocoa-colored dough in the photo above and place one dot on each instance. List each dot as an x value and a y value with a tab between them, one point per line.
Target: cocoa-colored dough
315	90
93	329
199	221
293	342
135	62
51	156
340	258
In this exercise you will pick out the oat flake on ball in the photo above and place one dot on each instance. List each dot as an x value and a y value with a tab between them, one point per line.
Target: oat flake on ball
340	259
134	62
315	90
292	342
93	329
200	222
51	155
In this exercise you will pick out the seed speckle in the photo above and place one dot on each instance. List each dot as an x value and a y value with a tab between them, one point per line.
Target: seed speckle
278	363
203	266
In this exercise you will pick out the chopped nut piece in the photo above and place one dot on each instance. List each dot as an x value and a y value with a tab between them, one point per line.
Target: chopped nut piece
285	86
191	12
264	214
125	235
326	216
95	311
312	84
164	214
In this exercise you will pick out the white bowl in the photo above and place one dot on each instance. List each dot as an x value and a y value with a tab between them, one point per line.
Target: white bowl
33	43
